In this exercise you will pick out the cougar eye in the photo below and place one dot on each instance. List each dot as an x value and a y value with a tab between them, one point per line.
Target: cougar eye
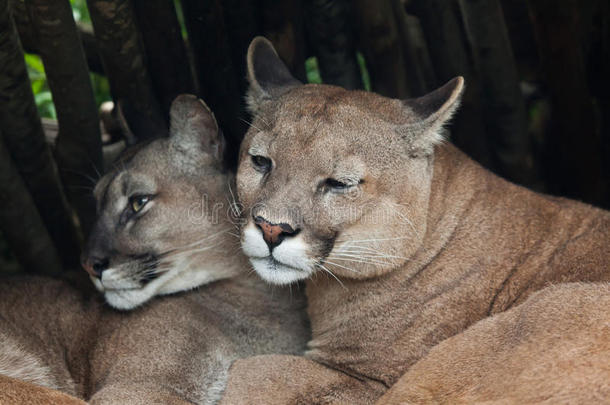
336	184
137	202
261	163
339	186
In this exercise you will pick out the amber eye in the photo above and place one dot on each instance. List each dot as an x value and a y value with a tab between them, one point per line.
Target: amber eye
137	202
261	163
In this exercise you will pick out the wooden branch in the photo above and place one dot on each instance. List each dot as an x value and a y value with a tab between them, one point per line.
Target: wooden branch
216	75
332	39
242	19
383	51
573	145
421	77
92	52
502	102
282	24
124	58
21	224
441	23
30	45
24	138
78	149
165	51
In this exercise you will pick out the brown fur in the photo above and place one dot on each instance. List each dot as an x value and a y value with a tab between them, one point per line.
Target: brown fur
178	348
458	245
553	348
175	349
20	392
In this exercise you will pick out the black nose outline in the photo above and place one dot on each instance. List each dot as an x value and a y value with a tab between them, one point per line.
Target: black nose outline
274	234
95	266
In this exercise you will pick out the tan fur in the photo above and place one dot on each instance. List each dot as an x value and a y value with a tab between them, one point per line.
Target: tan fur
553	348
454	244
14	391
178	348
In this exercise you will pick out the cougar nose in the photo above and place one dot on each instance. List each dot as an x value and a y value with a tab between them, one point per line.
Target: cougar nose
95	265
274	234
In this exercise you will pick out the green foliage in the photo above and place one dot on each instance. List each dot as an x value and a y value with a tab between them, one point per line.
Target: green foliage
312	70
40	87
38	78
366	79
80	11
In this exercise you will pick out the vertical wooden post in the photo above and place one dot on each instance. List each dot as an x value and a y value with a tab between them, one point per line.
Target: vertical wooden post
282	24
332	39
441	22
502	102
21	224
165	51
574	145
25	141
78	149
242	19
217	78
124	59
382	46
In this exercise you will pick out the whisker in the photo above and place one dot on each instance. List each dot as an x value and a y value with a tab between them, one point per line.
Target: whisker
331	273
250	124
343	267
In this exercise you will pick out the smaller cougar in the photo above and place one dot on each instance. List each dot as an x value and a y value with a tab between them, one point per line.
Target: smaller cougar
163	227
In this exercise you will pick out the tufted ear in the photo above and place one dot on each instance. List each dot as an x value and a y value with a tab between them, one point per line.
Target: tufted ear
267	74
426	116
193	128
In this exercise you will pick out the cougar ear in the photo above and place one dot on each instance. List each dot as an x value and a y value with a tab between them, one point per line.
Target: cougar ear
193	128
427	115
267	74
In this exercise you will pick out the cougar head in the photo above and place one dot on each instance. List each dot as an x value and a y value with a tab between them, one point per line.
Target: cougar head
334	180
160	216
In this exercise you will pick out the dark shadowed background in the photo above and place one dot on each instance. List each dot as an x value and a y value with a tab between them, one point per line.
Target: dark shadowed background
102	74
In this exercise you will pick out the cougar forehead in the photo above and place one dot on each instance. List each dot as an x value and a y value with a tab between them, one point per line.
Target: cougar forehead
327	120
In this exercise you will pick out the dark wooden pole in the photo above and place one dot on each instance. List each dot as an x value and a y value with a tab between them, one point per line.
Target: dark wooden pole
282	24
242	19
383	50
502	102
421	77
21	224
124	58
574	144
441	23
217	78
24	138
29	41
168	64
332	38
78	149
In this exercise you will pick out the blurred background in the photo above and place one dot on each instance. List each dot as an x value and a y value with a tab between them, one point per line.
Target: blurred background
80	80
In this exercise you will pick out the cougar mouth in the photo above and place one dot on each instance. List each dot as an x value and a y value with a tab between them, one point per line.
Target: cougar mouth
275	272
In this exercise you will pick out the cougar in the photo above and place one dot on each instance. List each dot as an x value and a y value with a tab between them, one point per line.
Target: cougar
164	226
403	240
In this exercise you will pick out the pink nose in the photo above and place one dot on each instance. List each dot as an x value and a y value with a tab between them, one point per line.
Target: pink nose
273	234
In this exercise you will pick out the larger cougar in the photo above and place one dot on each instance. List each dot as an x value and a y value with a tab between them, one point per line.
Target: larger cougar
403	240
164	226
